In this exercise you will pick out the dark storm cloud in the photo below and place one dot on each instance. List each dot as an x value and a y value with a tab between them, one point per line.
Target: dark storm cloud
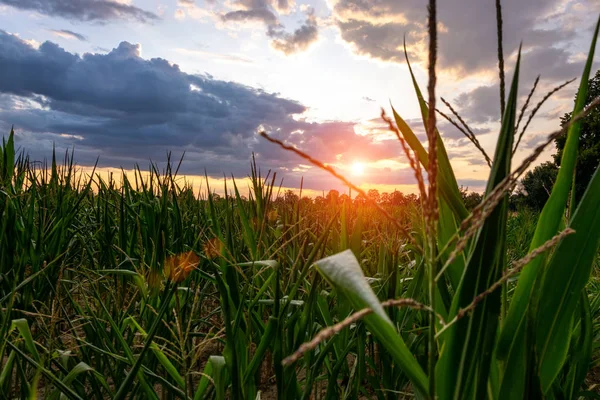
84	10
127	110
123	105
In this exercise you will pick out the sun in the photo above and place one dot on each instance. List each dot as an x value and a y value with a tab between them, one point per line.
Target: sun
358	168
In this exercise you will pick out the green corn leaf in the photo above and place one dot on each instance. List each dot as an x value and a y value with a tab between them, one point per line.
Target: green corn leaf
581	355
450	215
464	366
448	226
345	274
247	230
204	382
67	391
77	370
566	275
138	279
160	355
127	383
548	224
33	387
447	181
219	370
451	209
258	357
9	157
23	327
7	368
125	346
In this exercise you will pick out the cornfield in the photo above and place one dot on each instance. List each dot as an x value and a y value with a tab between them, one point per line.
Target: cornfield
141	288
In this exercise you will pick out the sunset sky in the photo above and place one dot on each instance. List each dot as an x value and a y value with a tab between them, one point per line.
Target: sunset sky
129	80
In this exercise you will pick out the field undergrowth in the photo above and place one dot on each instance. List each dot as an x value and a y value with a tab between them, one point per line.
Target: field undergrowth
86	267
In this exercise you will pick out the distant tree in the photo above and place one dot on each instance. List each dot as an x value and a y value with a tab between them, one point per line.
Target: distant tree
290	197
411	199
470	199
360	199
589	141
536	186
306	201
320	201
397	198
385	198
333	196
373	194
345	199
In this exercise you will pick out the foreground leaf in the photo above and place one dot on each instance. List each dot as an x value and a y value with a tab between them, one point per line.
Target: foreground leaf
344	272
567	274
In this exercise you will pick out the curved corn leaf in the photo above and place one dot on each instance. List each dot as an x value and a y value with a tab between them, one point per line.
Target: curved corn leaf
67	391
263	346
160	355
77	370
548	224
345	274
581	355
23	327
447	180
451	206
204	382
566	275
8	162
219	369
7	368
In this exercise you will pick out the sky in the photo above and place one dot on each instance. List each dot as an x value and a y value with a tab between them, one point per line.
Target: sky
126	81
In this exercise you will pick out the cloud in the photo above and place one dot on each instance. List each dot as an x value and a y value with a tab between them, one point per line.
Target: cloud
467	34
84	10
298	41
554	65
252	10
127	109
481	104
449	131
473	184
256	14
67	34
267	12
284	6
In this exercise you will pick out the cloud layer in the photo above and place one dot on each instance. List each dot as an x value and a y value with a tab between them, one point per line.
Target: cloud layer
127	110
467	34
84	10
